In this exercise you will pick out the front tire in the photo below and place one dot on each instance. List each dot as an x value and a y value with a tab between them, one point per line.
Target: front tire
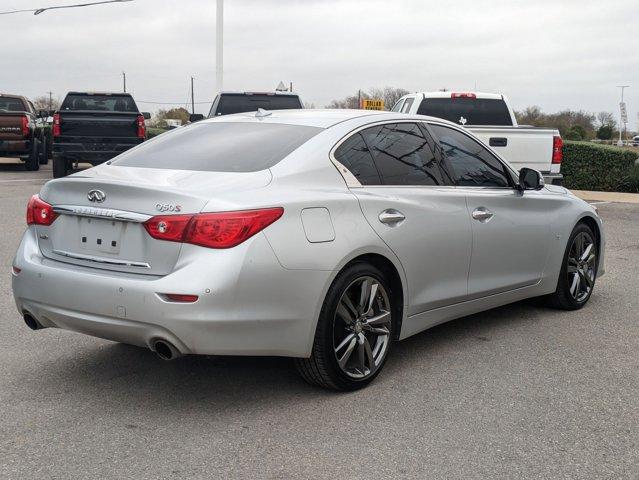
354	331
578	270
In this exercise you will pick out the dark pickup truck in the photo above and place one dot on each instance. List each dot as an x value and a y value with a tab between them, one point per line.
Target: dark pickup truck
22	131
95	127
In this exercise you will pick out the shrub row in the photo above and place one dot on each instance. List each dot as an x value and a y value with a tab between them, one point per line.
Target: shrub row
153	132
587	166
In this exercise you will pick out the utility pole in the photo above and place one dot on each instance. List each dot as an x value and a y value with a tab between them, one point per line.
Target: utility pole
50	100
290	88
623	116
192	98
124	81
219	45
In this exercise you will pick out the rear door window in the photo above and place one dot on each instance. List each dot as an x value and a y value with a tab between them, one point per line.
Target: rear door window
356	157
469	162
398	106
407	104
467	111
219	147
99	103
402	155
229	104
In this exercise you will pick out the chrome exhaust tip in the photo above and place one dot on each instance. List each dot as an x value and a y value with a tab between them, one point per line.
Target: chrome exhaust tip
166	350
31	322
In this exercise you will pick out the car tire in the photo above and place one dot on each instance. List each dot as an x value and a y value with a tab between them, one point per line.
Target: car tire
578	270
33	161
60	167
354	332
43	154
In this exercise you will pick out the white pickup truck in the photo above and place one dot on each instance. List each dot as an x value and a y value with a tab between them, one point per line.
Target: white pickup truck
490	117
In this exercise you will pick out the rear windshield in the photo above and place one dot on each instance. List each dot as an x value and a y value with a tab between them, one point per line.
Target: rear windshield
219	147
467	111
100	103
229	104
8	104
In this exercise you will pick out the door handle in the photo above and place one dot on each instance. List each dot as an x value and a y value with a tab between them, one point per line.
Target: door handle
498	141
391	217
482	214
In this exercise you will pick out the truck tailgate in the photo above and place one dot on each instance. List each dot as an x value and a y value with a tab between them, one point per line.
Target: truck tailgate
11	126
98	124
530	147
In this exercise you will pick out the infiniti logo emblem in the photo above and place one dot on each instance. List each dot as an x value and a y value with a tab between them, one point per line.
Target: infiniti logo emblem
96	196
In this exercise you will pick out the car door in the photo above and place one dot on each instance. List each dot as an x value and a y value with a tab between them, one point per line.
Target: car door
510	229
404	197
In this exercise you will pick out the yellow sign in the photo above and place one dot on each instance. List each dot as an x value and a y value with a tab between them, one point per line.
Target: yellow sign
373	104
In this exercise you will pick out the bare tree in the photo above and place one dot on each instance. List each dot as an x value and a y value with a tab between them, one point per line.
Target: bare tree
390	95
606	119
42	103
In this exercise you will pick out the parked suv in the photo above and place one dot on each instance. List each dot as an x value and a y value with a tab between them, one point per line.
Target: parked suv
95	127
22	131
227	103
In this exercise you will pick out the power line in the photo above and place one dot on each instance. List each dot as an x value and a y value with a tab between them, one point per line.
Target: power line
38	11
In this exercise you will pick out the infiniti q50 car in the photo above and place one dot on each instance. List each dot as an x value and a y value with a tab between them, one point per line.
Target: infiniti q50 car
320	235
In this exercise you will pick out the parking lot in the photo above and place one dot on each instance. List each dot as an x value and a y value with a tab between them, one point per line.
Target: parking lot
521	391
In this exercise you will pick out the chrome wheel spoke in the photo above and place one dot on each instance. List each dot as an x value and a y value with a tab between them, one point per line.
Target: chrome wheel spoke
361	354
572	269
365	294
585	278
586	253
348	338
347	354
344	314
369	353
377	331
349	305
591	260
574	286
383	318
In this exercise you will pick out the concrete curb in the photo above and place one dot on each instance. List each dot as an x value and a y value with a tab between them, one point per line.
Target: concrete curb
607	196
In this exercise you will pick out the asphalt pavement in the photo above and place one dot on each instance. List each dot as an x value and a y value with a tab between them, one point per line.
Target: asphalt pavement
517	392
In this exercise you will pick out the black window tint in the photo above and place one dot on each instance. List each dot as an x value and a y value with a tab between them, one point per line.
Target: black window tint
354	155
219	147
10	104
467	111
99	103
407	105
240	103
402	155
471	164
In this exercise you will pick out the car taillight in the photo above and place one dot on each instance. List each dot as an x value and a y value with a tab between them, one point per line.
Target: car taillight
557	149
141	127
463	95
25	126
212	230
56	125
40	212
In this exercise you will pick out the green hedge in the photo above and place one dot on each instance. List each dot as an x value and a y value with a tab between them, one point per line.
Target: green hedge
587	166
154	132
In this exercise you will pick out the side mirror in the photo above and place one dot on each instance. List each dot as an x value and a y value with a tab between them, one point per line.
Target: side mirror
196	117
146	115
530	179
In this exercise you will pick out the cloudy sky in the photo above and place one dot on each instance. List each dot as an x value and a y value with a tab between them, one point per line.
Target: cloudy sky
553	53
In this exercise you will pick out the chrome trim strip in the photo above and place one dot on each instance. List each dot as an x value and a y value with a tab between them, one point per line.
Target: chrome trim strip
106	213
105	261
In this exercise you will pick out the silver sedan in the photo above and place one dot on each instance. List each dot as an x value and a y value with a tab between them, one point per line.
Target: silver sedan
319	235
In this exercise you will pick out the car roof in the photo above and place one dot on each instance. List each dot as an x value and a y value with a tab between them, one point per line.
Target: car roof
230	92
321	118
447	94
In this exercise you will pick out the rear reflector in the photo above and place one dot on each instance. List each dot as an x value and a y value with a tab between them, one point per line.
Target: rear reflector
56	125
557	150
179	297
40	212
212	230
463	95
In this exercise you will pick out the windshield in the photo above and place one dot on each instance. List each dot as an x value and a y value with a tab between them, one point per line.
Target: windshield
219	147
99	102
240	103
467	111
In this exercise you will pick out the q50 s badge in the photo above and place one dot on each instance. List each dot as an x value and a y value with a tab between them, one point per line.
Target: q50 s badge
167	207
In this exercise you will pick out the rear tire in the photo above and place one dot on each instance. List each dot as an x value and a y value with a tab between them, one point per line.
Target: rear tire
354	331
43	157
60	167
578	270
33	161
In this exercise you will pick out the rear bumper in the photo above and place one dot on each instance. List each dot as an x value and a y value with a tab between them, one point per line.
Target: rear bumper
94	152
553	178
15	148
248	304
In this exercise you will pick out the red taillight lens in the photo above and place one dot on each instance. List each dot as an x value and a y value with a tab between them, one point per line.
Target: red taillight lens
212	230
463	95
56	125
40	212
25	126
557	149
141	127
179	297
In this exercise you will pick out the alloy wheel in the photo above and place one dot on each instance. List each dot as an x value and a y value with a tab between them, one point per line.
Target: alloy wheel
582	264
362	328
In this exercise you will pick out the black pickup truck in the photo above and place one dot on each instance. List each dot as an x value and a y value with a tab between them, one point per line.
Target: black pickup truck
22	131
95	127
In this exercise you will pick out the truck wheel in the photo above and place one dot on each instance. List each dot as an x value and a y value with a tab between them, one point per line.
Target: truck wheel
44	153
33	162
60	167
